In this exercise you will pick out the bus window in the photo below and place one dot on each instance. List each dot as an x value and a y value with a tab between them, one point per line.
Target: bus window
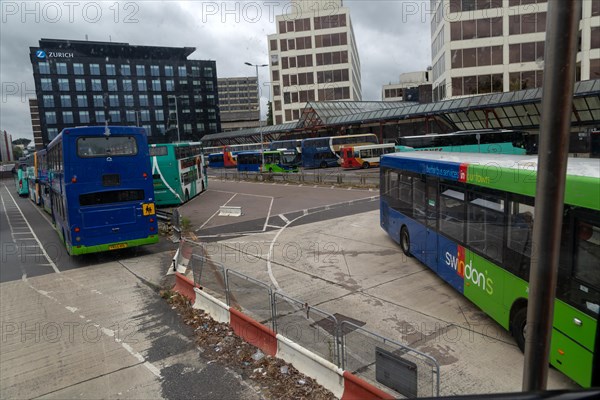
452	212
106	146
587	253
485	228
520	228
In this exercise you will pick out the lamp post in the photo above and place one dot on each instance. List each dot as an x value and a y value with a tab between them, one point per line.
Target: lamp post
262	150
176	116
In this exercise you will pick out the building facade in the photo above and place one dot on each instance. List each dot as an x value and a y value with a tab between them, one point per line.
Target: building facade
313	57
408	80
485	46
238	103
6	147
82	83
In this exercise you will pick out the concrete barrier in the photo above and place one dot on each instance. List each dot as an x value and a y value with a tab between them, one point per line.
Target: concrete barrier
324	372
214	307
185	286
357	389
230	211
253	332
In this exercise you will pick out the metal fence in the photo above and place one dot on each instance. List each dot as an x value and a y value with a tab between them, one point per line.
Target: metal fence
398	369
317	177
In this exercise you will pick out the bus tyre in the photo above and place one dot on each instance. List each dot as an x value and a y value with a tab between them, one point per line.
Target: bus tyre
519	327
405	241
365	165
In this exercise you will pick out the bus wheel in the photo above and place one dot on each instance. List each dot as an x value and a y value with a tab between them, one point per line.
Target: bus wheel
323	165
187	195
365	165
519	327
405	241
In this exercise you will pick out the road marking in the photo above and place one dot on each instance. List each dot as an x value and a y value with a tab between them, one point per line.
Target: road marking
283	218
33	233
268	215
216	212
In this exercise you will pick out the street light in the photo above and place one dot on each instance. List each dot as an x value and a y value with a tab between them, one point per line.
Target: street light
262	150
176	116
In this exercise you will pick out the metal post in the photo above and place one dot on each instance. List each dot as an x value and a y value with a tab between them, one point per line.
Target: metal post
559	77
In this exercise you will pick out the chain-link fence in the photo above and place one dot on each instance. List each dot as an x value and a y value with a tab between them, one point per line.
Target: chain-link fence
393	367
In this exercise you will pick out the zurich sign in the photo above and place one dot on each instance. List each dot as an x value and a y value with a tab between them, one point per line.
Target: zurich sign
41	54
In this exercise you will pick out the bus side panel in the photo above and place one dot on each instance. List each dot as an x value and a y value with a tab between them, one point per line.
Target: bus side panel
417	232
451	263
574	361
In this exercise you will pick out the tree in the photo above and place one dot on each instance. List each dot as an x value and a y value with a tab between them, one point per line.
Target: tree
17	152
22	141
270	113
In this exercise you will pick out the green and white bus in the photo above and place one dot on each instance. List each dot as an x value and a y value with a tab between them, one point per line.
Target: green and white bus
469	218
178	172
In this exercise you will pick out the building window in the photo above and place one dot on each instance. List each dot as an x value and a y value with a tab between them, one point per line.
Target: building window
61	68
96	85
130	115
145	115
128	100
67	117
50	117
48	101
100	117
595	39
80	85
111	69
156	85
52	133
140	70
112	85
44	68
275	74
208	72
159	115
212	127
334	39
125	70
65	100
169	85
63	85
82	101
479	84
142	87
169	70
143	100
158	101
273	44
113	100
127	85
84	117
182	71
330	21
94	69
336	57
526	23
115	116
154	71
210	99
98	101
525	80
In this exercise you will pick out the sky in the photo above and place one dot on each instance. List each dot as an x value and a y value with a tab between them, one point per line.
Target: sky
392	36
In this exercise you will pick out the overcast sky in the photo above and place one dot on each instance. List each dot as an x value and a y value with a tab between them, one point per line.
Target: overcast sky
393	36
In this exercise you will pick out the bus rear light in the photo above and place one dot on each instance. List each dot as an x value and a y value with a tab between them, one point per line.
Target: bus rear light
76	229
145	175
74	179
20	182
151	229
78	239
151	219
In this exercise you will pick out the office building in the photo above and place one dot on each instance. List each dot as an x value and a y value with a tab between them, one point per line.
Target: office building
490	46
401	91
313	57
239	103
6	150
90	83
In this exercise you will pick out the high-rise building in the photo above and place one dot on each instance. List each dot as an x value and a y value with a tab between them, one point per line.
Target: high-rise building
490	46
6	150
238	103
313	57
91	83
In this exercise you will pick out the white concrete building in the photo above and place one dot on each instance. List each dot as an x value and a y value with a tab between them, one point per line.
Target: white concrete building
313	57
485	46
395	91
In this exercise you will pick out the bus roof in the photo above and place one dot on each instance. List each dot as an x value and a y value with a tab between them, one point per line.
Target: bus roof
511	173
458	133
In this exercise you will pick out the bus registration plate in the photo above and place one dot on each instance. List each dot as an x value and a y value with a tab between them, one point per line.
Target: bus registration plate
148	208
117	246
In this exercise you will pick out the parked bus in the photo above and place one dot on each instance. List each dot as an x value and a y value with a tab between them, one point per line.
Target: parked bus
32	181
178	172
215	160
325	152
21	179
473	141
101	188
43	184
274	161
365	156
469	217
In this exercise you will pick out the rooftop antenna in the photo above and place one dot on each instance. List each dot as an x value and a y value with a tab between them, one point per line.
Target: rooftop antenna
109	38
86	36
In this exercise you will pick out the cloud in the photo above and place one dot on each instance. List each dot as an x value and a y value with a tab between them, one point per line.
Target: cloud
392	37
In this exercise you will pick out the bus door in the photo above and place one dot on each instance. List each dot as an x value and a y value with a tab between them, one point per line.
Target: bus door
431	211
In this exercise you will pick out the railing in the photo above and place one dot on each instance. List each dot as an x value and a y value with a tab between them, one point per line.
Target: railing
368	179
392	366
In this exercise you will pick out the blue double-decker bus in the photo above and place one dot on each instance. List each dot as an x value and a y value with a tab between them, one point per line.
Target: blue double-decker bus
101	188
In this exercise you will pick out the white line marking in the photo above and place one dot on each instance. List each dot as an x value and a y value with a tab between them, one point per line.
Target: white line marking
284	218
268	214
216	212
34	235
